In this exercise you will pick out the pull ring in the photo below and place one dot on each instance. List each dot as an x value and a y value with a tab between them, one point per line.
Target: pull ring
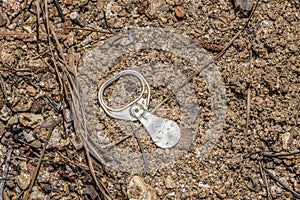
124	112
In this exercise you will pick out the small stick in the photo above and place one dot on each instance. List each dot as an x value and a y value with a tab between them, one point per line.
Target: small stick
87	29
237	34
37	169
142	151
3	88
281	183
248	109
266	154
295	116
106	23
38	11
23	35
82	166
59	10
5	172
248	96
265	181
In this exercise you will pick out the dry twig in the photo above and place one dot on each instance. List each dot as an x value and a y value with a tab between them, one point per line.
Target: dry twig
5	172
88	29
248	109
263	174
296	194
59	10
38	12
67	86
3	88
37	169
238	33
24	35
268	154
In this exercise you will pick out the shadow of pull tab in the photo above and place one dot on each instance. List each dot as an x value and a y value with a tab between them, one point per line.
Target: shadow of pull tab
165	133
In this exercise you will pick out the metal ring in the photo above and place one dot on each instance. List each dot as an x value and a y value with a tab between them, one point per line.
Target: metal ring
122	113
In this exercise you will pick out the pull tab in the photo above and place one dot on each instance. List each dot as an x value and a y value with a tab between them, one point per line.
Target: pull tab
164	133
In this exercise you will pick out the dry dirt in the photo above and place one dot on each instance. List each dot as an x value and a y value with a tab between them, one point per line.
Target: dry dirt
255	157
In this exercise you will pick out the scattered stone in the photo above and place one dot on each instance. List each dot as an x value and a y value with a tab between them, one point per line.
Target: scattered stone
171	194
23	105
28	136
12	26
82	20
12	8
139	190
38	105
83	2
293	48
170	182
57	158
180	12
142	9
36	193
36	144
74	15
31	90
23	180
49	122
30	120
5	113
68	2
13	120
63	143
55	139
244	6
285	139
3	18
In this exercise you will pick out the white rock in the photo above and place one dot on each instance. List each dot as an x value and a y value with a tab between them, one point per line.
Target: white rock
5	113
139	190
23	180
170	182
36	194
13	120
28	136
74	15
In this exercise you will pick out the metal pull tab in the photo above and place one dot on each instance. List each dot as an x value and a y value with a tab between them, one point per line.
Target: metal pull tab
165	133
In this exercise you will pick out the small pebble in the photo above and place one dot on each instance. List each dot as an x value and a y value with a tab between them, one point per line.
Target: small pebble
139	190
28	136
5	113
30	120
180	12
74	15
3	18
31	90
170	182
36	193
23	180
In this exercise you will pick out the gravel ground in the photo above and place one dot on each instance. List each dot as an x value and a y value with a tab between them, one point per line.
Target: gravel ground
255	157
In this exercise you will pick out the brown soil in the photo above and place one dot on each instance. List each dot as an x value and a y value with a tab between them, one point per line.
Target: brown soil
255	157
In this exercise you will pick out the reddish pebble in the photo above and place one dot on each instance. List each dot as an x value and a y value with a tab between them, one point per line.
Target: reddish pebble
180	12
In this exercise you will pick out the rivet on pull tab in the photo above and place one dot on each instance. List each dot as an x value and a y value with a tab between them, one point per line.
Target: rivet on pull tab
165	133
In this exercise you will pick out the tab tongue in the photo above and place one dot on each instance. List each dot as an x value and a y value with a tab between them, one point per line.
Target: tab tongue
165	133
